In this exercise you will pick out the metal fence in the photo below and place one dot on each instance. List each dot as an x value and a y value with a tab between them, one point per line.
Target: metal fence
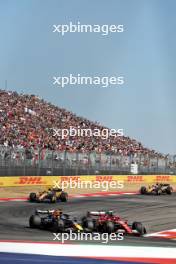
17	162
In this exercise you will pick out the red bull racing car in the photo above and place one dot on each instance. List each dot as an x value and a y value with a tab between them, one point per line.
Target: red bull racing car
54	220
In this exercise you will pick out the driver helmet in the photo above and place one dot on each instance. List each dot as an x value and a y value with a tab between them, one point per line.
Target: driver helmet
110	213
57	213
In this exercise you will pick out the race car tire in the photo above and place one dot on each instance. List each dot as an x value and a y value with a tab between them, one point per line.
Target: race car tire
89	224
32	197
63	197
34	221
108	227
169	190
143	190
58	226
158	192
139	228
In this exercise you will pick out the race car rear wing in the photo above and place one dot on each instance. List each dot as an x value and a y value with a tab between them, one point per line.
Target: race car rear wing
98	213
37	211
57	189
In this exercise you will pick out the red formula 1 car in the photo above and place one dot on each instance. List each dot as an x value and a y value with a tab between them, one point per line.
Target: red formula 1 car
107	222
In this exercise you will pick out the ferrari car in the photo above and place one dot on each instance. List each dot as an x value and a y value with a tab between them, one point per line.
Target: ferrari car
54	220
108	222
51	195
157	189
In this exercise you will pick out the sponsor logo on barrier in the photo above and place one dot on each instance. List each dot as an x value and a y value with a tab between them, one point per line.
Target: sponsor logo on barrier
70	178
135	178
163	178
103	178
34	180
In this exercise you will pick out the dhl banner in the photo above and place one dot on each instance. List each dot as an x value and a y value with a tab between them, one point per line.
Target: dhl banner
50	180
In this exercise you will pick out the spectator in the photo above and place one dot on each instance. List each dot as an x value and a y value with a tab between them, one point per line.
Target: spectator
26	122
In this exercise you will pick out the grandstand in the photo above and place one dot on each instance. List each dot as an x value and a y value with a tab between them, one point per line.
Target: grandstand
28	146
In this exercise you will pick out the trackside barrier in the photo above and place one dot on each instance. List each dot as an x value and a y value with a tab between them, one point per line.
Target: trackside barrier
128	180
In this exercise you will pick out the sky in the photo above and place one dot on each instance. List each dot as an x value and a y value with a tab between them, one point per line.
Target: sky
145	54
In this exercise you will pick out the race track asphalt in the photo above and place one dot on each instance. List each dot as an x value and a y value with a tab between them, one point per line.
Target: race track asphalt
157	213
